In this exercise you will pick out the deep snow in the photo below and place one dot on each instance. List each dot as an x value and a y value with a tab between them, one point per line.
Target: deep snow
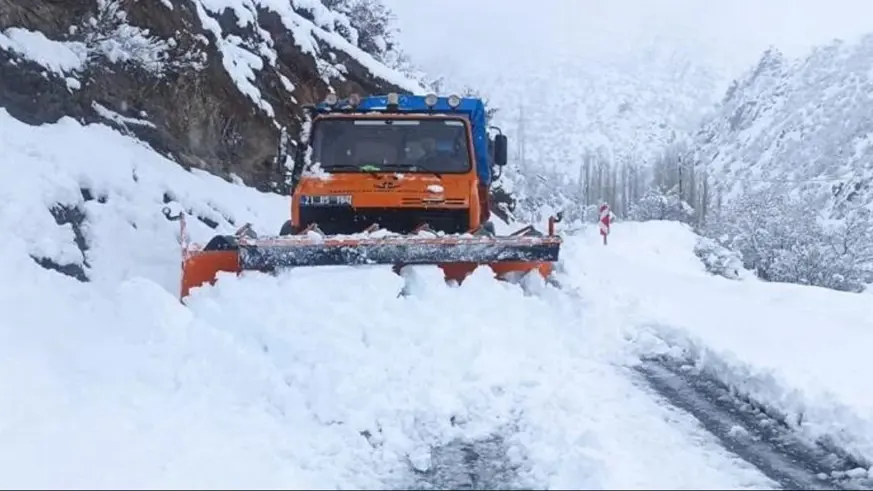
800	350
325	378
272	382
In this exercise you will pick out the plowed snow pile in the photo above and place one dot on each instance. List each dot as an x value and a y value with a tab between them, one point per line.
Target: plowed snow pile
315	378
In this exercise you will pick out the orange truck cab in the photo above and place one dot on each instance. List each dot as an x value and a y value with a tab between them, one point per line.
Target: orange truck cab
399	162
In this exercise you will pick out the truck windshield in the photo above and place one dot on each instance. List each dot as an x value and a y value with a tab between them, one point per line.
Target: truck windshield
402	145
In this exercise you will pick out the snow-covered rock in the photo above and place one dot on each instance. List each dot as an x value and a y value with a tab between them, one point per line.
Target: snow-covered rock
216	85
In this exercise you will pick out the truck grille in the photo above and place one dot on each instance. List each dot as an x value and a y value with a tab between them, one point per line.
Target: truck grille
344	220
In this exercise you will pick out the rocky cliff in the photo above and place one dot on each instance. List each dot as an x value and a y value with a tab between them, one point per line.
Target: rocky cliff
216	85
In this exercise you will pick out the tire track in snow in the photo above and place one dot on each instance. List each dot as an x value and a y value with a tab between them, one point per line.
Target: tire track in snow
477	464
752	434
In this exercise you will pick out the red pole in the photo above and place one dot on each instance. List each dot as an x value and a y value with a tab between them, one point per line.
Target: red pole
604	221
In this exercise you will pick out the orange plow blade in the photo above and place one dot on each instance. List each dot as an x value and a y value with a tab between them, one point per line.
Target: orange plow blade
457	256
202	267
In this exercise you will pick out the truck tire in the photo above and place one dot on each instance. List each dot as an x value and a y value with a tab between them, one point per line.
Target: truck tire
221	243
288	228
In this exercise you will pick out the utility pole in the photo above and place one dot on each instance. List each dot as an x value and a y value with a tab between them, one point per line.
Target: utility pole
680	178
521	143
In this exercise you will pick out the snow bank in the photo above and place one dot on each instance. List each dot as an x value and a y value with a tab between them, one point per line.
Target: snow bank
114	382
120	186
127	389
800	350
317	378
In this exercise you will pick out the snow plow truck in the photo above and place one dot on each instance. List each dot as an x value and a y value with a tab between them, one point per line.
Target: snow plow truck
386	180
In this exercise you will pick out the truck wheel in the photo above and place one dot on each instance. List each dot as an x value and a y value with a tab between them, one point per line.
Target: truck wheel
221	243
533	232
288	228
486	229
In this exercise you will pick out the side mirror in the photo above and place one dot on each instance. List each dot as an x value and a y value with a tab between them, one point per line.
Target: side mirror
297	169
501	150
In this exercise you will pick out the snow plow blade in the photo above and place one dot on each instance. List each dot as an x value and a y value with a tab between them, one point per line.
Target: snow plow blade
284	252
520	253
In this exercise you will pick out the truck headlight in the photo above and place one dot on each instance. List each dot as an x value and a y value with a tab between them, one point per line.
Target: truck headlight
326	200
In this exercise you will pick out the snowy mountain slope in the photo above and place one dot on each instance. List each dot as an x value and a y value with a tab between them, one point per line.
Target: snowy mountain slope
624	109
800	351
313	379
782	172
799	122
215	85
586	131
621	109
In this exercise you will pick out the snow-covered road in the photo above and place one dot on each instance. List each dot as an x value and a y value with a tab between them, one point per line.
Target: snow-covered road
470	363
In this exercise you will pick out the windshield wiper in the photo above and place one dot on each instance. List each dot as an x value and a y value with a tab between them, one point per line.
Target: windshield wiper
437	174
361	168
374	169
413	168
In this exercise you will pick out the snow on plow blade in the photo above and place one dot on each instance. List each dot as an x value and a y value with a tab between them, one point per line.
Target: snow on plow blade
269	254
521	252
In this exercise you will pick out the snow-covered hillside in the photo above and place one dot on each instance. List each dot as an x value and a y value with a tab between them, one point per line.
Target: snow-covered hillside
782	173
802	123
215	85
587	130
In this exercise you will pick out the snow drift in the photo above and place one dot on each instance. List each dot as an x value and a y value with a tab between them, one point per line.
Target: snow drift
797	350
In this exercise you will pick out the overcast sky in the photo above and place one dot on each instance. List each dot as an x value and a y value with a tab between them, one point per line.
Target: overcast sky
734	31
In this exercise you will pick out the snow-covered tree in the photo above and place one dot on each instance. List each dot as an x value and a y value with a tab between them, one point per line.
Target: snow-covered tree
660	205
787	238
374	23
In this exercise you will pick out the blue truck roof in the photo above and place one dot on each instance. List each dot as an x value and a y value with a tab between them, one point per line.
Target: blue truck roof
471	108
